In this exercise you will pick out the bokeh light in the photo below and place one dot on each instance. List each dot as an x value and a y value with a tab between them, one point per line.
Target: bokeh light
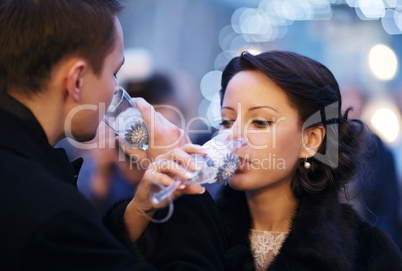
383	62
211	84
391	22
211	110
386	123
370	9
384	119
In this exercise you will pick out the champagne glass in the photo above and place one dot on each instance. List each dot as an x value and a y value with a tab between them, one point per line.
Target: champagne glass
217	166
125	119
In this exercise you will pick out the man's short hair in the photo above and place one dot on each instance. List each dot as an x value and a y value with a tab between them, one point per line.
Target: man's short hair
36	35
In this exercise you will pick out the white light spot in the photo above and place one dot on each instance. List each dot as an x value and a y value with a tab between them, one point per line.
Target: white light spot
211	84
386	123
383	62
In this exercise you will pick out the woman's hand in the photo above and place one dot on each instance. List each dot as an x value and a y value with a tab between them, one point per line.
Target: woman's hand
177	162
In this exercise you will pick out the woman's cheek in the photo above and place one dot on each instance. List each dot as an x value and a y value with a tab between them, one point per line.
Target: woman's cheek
260	141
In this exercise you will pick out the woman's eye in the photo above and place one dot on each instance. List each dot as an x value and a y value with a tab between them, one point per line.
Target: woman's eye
226	123
115	75
262	123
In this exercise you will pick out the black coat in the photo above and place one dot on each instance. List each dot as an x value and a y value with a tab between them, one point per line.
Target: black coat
324	235
46	224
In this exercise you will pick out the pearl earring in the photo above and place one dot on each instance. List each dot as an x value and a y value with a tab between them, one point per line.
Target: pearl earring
307	165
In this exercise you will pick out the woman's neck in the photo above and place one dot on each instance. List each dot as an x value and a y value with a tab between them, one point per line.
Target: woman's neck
271	209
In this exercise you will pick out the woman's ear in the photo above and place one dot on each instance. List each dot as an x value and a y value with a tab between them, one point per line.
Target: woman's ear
312	140
75	78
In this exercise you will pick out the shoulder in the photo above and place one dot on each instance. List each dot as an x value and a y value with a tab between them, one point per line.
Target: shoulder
32	193
72	241
376	245
375	248
49	222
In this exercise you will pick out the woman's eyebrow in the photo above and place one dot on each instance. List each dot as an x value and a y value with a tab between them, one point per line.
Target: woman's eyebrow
228	108
263	106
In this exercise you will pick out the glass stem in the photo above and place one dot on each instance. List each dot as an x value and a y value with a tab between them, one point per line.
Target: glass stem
165	193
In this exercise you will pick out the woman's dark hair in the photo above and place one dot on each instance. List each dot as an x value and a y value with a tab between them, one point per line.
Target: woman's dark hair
36	34
312	89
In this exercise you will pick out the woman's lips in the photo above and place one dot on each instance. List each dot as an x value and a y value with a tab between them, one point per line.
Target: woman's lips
244	164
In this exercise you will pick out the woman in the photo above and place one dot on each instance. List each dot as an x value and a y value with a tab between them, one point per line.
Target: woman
281	209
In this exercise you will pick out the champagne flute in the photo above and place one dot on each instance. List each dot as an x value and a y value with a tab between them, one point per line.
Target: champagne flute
217	166
125	119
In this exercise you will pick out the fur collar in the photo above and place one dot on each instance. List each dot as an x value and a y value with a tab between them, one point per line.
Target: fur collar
322	235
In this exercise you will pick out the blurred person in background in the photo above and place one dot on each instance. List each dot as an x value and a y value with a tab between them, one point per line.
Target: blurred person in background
375	194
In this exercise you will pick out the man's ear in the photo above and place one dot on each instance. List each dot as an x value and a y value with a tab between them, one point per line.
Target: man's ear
75	78
312	140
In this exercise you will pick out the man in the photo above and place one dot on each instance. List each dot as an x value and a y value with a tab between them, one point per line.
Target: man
58	63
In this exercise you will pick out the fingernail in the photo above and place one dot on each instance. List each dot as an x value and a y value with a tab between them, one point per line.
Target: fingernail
181	187
203	190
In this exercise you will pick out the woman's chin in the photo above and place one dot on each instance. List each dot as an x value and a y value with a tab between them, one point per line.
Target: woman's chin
238	183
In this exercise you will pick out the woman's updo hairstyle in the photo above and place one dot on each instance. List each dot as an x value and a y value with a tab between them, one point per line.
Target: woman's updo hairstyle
312	89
